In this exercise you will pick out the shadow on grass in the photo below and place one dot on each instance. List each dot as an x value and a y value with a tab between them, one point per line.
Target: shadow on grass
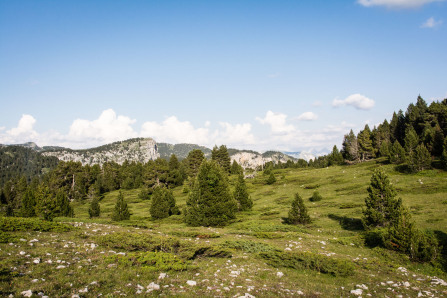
442	240
348	223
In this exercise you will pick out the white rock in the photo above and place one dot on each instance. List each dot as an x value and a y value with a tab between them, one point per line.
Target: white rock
28	293
362	286
279	274
300	293
406	284
162	275
84	290
35	280
191	283
34	240
36	261
288	249
153	286
60	267
247	295
357	292
22	253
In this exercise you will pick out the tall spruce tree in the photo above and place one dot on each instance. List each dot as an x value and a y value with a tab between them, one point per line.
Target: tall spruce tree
381	206
95	209
236	169
298	212
350	150
193	162
420	159
397	153
163	203
28	208
366	149
411	140
210	202
241	194
63	203
121	211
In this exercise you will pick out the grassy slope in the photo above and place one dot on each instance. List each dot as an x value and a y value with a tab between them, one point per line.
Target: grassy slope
334	232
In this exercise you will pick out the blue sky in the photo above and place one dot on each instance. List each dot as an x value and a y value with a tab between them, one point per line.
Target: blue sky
283	75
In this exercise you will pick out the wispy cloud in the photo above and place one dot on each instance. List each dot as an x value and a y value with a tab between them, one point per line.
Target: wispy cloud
357	101
396	4
431	23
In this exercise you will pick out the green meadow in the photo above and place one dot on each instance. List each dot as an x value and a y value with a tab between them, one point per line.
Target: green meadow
257	254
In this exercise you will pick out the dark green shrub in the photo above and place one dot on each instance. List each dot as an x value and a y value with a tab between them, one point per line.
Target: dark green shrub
248	246
316	197
308	260
153	261
11	224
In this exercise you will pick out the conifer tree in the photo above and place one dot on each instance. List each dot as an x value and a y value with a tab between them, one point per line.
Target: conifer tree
384	149
241	194
444	158
121	211
94	210
420	159
397	153
63	203
163	203
224	159
28	204
48	208
411	140
350	150
236	169
210	202
298	212
381	206
365	144
335	158
193	162
271	179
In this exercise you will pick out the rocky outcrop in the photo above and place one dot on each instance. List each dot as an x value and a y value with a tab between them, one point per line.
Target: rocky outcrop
254	160
138	150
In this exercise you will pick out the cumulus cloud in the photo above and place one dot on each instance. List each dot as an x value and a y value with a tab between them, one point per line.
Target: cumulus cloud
358	101
238	134
24	132
431	23
172	130
277	122
396	3
107	128
308	116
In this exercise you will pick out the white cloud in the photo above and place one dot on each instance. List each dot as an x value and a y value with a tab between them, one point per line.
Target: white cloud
317	103
277	122
431	23
358	101
107	128
308	116
396	3
234	135
24	132
172	130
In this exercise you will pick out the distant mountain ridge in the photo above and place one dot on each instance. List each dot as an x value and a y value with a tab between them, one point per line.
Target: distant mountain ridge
145	149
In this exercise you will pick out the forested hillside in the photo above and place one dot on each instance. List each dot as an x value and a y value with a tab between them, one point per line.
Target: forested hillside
416	139
17	161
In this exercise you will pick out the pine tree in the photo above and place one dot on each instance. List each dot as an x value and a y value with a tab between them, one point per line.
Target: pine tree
335	158
94	210
397	153
48	208
241	194
121	211
193	162
384	149
271	179
381	205
224	159
210	202
236	169
298	212
421	159
365	144
28	204
350	150
64	204
163	203
411	140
